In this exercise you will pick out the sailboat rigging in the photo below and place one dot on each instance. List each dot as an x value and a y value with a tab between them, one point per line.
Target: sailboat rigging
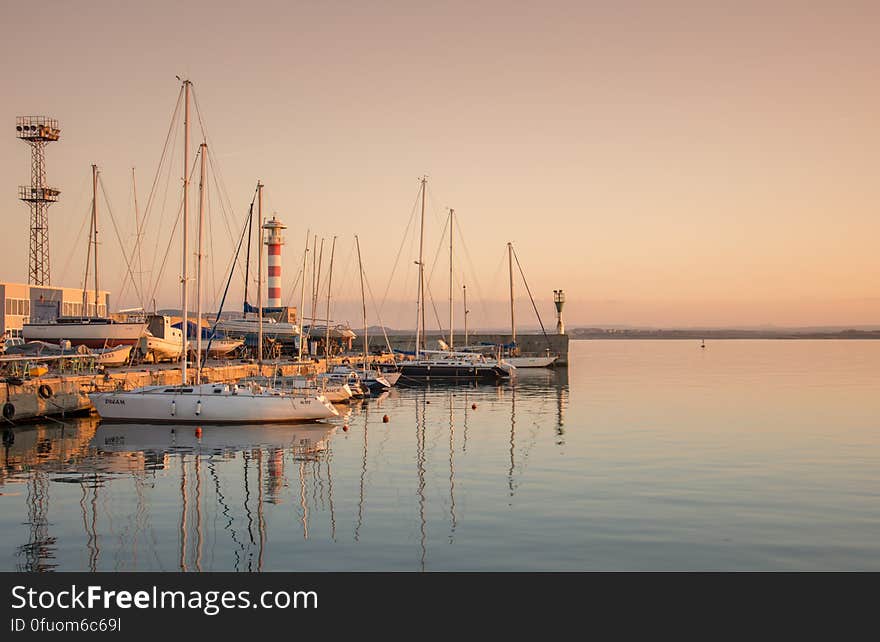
521	361
443	365
210	402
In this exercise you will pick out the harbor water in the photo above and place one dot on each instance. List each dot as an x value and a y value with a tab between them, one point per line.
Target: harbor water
641	455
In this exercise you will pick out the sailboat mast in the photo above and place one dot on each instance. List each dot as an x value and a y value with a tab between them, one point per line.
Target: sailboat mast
317	280
247	261
260	275
329	286
420	319
199	256
95	228
363	297
302	300
137	227
464	294
510	270
451	222
185	310
85	282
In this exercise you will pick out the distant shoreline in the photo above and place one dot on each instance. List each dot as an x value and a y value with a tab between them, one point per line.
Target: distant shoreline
695	335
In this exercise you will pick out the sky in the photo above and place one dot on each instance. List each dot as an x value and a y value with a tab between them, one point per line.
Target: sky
683	163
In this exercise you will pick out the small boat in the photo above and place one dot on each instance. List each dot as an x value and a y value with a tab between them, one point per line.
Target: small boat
531	362
358	388
113	356
221	347
372	379
161	341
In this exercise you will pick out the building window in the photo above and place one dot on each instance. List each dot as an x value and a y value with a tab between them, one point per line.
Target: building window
18	306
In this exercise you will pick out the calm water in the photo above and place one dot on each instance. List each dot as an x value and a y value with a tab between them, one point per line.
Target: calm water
644	455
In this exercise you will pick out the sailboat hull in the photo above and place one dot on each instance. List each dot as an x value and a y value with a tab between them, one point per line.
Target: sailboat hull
92	335
202	405
531	362
423	372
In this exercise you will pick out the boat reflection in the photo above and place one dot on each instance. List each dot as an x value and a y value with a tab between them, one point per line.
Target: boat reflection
140	497
303	439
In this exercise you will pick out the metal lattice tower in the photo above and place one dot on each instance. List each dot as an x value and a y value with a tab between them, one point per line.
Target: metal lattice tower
37	131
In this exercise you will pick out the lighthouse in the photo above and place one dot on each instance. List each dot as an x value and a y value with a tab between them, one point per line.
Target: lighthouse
559	301
274	241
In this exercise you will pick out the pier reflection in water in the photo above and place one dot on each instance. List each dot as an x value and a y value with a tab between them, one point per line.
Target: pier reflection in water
80	495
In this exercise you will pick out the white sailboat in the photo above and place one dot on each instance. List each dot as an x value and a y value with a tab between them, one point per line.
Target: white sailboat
210	402
517	360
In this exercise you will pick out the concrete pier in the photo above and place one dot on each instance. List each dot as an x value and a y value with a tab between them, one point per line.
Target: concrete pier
528	344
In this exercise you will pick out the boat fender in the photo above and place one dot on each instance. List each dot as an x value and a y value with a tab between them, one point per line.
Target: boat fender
173	407
8	410
45	391
198	408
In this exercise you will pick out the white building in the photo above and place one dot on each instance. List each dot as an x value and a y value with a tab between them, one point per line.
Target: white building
21	303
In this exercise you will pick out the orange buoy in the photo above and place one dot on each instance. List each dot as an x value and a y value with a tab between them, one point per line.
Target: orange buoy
473	406
385	419
199	432
344	427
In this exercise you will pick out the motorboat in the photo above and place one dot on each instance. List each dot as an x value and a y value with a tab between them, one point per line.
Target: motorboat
374	380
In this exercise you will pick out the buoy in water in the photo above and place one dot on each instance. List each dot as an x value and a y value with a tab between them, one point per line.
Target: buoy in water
199	432
473	406
344	427
385	419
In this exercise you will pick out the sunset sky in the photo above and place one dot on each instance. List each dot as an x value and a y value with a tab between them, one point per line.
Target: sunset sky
666	163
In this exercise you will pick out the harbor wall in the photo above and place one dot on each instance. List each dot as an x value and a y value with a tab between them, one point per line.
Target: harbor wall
528	344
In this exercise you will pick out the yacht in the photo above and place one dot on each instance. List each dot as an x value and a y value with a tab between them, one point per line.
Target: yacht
448	365
240	403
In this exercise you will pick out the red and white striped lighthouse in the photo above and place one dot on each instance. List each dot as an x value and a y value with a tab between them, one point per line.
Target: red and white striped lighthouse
274	241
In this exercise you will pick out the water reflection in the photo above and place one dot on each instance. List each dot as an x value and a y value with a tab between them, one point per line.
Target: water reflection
249	498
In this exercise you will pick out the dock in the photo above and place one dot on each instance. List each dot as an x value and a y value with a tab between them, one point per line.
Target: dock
52	395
